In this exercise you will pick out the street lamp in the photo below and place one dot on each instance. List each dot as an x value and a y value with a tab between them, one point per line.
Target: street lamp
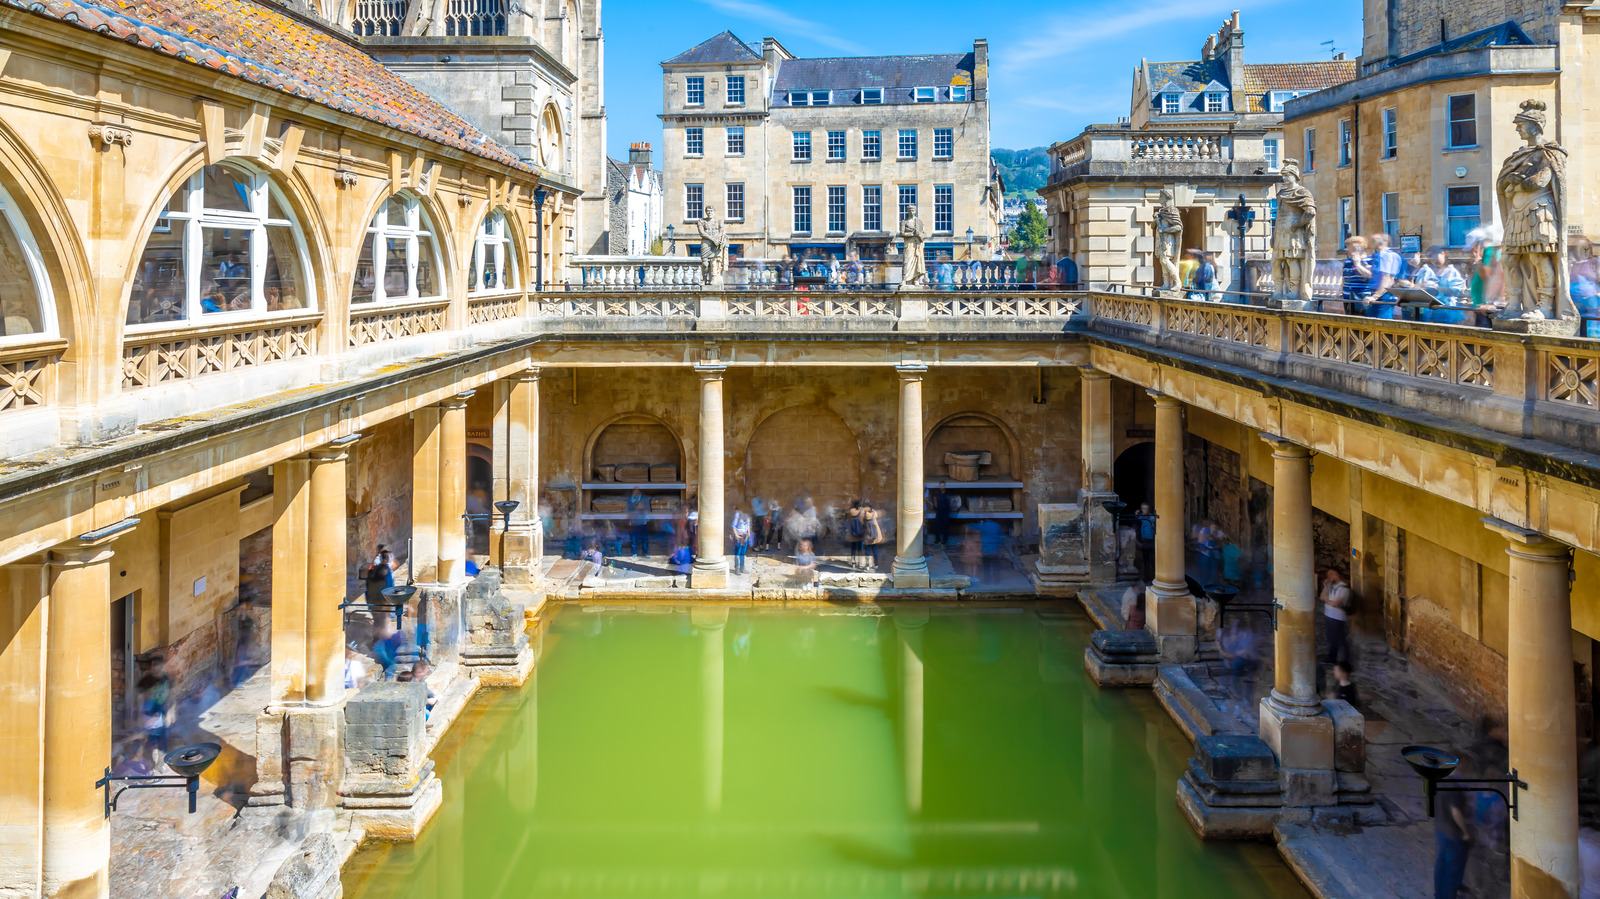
505	507
672	241
1435	766
188	761
1243	217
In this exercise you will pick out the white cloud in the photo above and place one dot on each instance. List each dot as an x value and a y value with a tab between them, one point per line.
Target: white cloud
1062	35
766	14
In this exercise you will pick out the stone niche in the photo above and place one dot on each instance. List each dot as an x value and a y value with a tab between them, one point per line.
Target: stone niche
496	647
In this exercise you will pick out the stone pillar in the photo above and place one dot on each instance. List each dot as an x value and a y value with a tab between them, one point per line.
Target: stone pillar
291	498
1169	607
453	489
522	543
327	564
76	838
1541	715
424	559
23	610
1293	722
1098	481
710	564
910	565
910	621
711	622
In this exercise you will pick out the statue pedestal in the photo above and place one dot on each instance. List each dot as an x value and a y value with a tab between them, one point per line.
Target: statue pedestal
1289	304
1547	327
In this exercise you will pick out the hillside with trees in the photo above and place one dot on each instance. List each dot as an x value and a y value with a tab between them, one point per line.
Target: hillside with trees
1024	171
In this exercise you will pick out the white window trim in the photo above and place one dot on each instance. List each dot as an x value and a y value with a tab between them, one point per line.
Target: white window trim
412	232
1220	97
916	95
727	202
686	80
494	237
1168	102
744	91
1450	123
727	140
964	93
48	326
195	218
868	90
688	152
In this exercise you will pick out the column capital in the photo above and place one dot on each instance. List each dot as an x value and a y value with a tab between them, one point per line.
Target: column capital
1164	400
911	370
1528	544
335	451
531	373
457	401
1090	373
710	370
94	546
1285	449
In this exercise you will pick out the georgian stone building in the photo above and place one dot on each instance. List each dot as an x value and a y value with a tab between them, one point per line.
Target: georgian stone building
637	202
1209	129
821	156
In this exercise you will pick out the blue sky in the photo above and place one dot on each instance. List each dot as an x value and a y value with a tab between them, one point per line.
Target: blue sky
1054	66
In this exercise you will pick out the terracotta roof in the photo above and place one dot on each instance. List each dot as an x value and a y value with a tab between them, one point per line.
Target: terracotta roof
260	44
1297	76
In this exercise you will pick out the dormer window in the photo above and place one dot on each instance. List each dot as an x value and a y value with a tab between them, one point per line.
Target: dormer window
925	94
1214	101
958	93
810	98
1169	103
872	96
1276	99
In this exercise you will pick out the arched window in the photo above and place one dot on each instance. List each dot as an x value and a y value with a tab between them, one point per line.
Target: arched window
398	259
471	18
494	260
224	245
27	306
379	17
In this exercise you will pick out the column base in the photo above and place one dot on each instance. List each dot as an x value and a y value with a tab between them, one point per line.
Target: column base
496	668
709	575
1170	611
910	574
395	811
1122	658
1304	747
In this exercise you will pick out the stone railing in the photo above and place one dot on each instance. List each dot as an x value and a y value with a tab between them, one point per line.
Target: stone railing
1177	155
1178	146
632	272
1542	387
893	310
667	274
27	374
482	310
371	324
150	358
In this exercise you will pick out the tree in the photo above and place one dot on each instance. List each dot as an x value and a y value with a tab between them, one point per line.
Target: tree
1031	231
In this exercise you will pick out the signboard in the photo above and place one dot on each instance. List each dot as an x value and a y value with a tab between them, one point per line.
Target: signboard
1410	243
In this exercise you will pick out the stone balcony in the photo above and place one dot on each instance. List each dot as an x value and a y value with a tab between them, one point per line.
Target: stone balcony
1106	151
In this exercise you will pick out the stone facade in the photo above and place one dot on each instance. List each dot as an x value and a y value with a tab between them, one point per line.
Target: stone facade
1397	28
765	167
638	201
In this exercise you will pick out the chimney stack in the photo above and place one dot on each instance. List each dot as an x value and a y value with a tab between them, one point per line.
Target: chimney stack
639	154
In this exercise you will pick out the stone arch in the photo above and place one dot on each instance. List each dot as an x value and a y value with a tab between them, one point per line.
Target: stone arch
446	234
1134	475
973	431
804	449
622	437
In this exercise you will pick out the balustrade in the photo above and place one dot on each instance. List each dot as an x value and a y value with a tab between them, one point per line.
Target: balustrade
1202	147
177	354
394	322
26	374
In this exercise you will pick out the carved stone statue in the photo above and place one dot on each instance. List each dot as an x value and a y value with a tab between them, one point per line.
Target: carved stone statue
713	248
1294	241
1169	232
1532	190
914	270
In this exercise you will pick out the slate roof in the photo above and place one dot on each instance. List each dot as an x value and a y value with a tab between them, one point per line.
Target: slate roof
721	48
846	75
1506	34
1189	75
263	45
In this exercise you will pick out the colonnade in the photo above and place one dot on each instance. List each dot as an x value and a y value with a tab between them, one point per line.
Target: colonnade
1541	702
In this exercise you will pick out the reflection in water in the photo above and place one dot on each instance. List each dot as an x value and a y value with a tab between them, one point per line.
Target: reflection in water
860	753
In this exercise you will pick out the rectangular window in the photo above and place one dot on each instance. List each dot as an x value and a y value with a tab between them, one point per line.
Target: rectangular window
944	208
1169	104
958	93
735	90
925	95
1464	120
1213	101
695	92
908	143
694	141
821	98
799	98
1346	207
1391	218
872	96
1462	213
735	140
802	146
908	199
872	145
735	204
694	200
872	207
802	210
1344	143
944	143
1269	148
836	209
836	145
1391	134
1311	149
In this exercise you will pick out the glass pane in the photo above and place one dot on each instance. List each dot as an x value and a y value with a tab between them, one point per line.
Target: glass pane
158	282
19	295
225	270
427	286
275	209
394	269
366	280
226	191
397	212
284	287
491	267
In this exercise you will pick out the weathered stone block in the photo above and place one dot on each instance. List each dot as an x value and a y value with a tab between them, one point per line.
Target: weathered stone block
310	873
313	757
1349	737
384	729
1236	757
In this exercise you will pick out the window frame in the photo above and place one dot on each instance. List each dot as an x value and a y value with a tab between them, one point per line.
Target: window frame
930	93
800	141
1451	121
949	136
1219	98
1271	148
1476	219
873	139
499	240
900	144
961	97
730	203
694	141
1346	143
1391	133
1390	203
194	219
1347	228
944	204
837	191
872	207
901	201
728	91
1168	102
840	145
694	201
693	84
872	96
729	134
381	232
1311	149
795	193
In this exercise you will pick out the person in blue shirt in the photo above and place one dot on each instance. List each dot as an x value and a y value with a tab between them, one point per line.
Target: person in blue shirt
1386	265
1357	275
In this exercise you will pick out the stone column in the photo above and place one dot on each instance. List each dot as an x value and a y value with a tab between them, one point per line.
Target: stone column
1292	719
423	561
76	838
522	543
1168	603
1541	715
453	489
910	565
291	498
23	608
327	565
711	622
910	622
1097	480
710	564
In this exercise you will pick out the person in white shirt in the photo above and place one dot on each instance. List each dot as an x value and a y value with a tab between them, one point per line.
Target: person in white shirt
1439	277
1335	608
740	529
355	670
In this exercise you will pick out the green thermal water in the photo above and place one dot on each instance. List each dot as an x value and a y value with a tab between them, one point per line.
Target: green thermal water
850	752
